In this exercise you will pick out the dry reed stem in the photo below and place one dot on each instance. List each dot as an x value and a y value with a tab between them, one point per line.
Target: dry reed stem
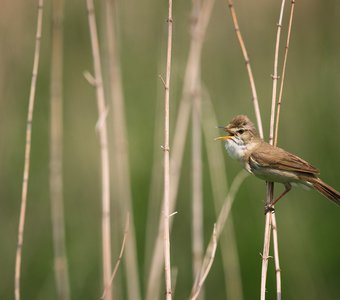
229	200
196	155
270	216
248	66
179	139
104	151
274	225
122	183
276	257
275	74
197	197
154	205
259	124
56	164
257	113
219	185
206	266
278	110
115	269
222	218
265	254
26	172
166	150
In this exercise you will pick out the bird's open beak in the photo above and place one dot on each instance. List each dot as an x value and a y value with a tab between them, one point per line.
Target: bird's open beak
224	138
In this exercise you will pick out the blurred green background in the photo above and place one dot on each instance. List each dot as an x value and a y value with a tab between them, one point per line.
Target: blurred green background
310	124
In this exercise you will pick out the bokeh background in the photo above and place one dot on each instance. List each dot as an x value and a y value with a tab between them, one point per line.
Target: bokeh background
310	125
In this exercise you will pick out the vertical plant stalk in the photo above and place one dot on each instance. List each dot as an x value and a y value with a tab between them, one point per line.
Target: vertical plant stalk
26	172
206	266
274	225
166	149
270	216
122	184
196	150
279	102
276	258
248	66
275	76
222	218
270	186
265	253
115	269
56	164
180	135
104	151
197	197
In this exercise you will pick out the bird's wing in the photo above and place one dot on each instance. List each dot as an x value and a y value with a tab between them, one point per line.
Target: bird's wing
277	158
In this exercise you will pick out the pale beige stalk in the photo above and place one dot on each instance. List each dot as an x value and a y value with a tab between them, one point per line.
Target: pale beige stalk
26	173
275	76
180	135
279	102
121	178
248	66
166	150
265	254
115	269
104	151
206	266
56	162
196	156
222	218
270	185
259	124
274	225
276	257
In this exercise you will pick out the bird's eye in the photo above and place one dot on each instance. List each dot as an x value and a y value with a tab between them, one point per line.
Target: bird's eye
240	131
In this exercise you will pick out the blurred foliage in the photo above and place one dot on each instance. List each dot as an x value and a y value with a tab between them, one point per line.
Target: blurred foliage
310	123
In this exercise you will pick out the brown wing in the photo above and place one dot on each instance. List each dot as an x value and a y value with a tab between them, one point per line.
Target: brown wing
277	158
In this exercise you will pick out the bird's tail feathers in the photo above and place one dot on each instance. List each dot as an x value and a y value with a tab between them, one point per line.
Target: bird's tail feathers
325	190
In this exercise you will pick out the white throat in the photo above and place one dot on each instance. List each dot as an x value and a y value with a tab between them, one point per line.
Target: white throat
236	148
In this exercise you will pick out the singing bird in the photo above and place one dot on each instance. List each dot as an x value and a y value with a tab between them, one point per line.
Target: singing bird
271	163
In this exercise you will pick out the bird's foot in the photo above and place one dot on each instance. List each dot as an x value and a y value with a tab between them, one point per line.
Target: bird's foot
269	208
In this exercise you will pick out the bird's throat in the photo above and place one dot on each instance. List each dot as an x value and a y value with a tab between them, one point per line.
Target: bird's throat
236	148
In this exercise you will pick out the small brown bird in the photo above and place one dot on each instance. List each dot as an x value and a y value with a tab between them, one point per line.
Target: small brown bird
271	163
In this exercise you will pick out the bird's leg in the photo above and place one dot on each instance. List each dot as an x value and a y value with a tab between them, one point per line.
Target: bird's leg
270	206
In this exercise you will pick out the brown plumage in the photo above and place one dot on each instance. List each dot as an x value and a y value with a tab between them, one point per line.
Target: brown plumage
271	163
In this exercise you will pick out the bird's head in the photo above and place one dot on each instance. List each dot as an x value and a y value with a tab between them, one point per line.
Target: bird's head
240	128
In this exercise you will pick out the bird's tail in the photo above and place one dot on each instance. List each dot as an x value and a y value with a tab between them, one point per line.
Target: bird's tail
326	190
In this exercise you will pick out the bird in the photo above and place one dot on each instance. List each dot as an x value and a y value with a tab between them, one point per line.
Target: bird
271	163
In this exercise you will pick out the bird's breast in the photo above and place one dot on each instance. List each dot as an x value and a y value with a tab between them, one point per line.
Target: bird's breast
235	149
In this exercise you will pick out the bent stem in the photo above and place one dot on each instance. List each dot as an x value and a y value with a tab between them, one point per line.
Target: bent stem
206	266
218	227
248	66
